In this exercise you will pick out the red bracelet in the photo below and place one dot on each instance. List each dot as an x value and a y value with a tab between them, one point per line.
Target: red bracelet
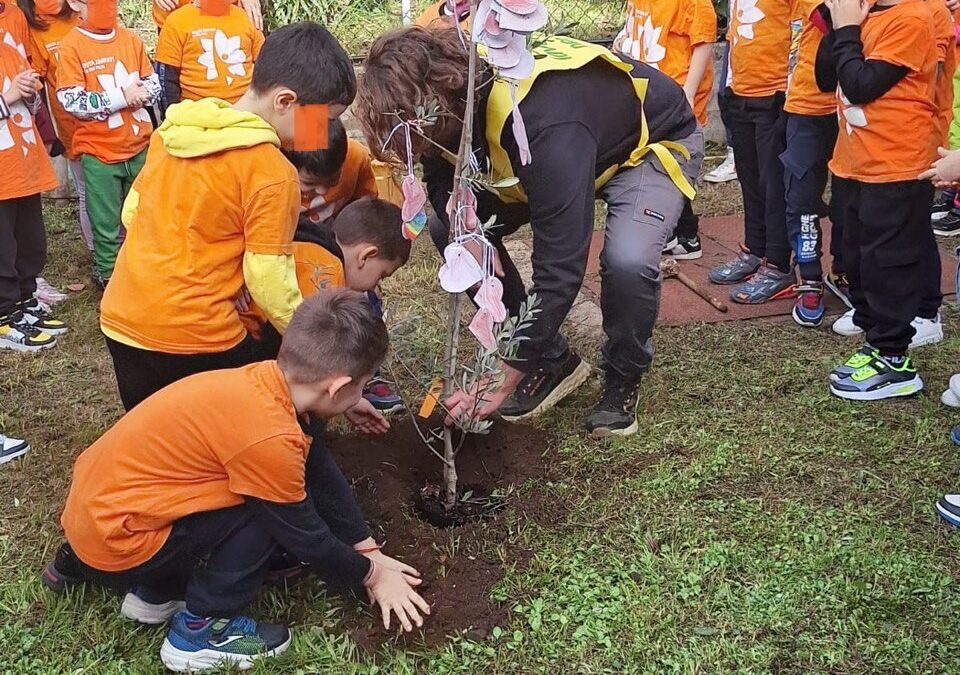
369	550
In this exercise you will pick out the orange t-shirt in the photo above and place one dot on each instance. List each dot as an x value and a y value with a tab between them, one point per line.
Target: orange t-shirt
100	63
44	50
26	168
201	444
872	145
14	29
160	15
317	268
357	180
215	54
947	58
803	95
760	37
432	18
664	33
181	266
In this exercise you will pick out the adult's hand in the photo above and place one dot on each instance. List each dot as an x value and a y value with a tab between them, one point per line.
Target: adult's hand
483	399
254	12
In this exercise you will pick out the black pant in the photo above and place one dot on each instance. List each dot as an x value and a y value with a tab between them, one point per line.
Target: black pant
142	373
891	256
757	126
810	141
23	250
215	560
838	191
689	224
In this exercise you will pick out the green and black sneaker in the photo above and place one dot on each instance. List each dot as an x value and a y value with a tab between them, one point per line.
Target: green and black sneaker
879	379
860	358
197	644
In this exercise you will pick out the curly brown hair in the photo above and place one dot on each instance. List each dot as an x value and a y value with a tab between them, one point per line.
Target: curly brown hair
405	69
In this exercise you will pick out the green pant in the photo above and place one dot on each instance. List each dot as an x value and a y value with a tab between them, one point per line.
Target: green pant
107	186
955	123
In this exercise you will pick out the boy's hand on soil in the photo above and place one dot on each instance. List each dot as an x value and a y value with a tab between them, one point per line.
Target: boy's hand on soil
847	12
392	591
411	575
945	171
367	419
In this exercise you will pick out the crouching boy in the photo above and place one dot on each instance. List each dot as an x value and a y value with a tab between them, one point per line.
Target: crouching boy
185	499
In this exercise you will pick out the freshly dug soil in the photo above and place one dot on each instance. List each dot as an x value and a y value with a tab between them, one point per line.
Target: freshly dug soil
459	564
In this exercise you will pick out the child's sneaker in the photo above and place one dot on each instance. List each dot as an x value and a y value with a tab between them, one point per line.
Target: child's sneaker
838	285
62	573
941	206
197	644
726	172
949	225
381	394
878	380
737	270
955	435
681	248
48	293
767	284
948	508
927	331
20	336
845	325
951	395
859	359
616	412
808	310
11	448
139	605
38	315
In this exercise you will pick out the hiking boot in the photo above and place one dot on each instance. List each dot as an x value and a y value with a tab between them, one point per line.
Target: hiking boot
20	336
11	448
948	508
38	315
197	644
141	606
949	225
543	388
926	331
725	172
737	270
860	358
767	284
681	248
62	572
838	285
808	310
380	392
877	380
616	412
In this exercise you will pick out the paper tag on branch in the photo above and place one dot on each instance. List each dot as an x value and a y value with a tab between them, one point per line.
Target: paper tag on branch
432	398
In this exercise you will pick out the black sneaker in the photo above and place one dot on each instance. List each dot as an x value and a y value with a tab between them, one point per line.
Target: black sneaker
39	316
616	413
681	248
941	207
949	225
17	334
546	386
62	572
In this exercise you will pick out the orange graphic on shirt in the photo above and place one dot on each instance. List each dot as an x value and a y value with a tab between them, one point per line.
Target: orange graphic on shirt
803	95
760	37
14	29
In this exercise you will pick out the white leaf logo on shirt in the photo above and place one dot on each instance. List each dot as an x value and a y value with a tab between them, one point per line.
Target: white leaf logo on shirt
853	115
20	117
8	39
121	79
227	50
747	14
653	51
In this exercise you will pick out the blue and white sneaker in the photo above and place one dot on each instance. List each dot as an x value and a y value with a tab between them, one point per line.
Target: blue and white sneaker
955	435
767	284
737	270
808	310
196	644
948	508
11	448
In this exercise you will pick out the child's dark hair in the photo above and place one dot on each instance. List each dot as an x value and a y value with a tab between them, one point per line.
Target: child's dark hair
29	9
308	59
333	333
375	222
327	163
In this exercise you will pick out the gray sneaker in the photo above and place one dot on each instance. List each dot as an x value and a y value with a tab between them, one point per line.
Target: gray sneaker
879	380
737	270
767	284
863	357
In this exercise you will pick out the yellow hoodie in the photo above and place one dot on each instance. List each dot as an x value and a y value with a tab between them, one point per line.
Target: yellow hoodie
179	209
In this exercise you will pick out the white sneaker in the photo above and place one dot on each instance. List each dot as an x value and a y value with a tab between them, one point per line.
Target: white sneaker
137	609
726	172
845	325
951	396
11	448
928	332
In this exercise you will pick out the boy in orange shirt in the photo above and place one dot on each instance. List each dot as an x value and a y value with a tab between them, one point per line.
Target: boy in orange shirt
104	79
760	38
14	30
228	474
884	60
201	54
25	324
214	211
677	39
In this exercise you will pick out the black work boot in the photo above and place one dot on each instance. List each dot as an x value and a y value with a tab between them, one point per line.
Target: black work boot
543	388
616	413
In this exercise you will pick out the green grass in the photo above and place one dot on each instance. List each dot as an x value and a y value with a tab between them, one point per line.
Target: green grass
755	524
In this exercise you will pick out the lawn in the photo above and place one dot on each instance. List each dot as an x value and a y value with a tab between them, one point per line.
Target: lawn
755	524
